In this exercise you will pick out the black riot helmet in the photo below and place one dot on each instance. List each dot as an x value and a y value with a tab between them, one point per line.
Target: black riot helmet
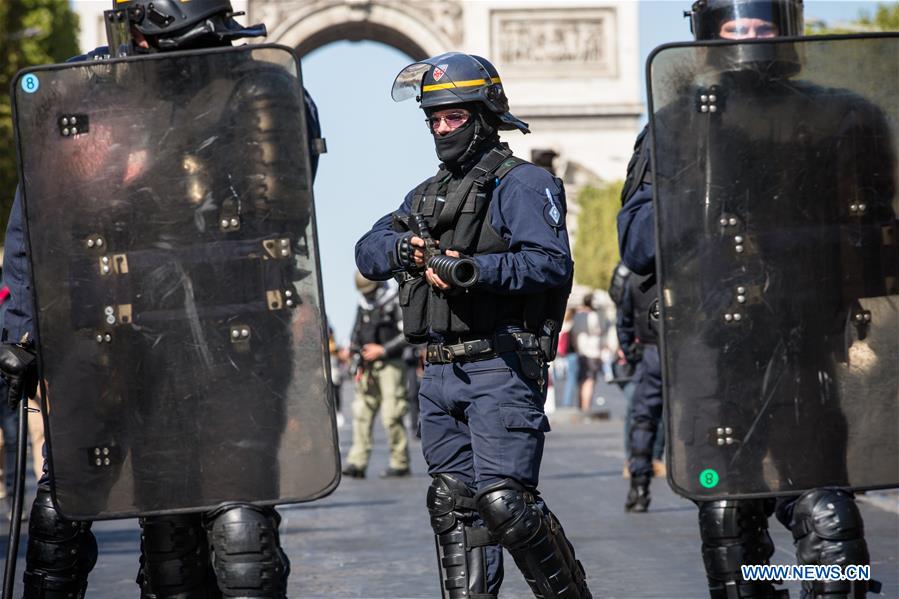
708	16
455	78
755	54
175	24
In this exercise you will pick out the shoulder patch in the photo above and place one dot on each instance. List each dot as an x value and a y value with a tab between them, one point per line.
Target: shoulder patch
551	212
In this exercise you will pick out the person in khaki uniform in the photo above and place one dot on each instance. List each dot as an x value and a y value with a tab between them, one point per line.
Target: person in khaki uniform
377	344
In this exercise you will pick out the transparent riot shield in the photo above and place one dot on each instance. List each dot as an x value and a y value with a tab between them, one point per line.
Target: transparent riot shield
176	281
775	177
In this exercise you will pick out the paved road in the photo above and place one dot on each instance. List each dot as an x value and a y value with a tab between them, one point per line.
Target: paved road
371	538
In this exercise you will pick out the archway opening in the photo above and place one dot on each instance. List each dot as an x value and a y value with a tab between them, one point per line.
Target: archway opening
362	31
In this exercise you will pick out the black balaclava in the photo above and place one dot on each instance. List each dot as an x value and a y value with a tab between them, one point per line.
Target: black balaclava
455	149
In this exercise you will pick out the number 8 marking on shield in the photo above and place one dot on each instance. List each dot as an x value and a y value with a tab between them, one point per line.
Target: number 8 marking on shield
708	478
30	83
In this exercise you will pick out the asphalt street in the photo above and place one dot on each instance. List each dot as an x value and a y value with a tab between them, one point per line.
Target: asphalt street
371	538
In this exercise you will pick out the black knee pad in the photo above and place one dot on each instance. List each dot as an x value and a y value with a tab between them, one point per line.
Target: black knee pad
828	530
534	538
60	552
174	557
509	512
460	544
735	533
246	552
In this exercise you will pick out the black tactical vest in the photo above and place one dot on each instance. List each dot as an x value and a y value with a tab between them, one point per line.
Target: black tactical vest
378	324
458	213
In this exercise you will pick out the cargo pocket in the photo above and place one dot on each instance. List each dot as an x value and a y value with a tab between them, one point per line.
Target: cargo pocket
524	418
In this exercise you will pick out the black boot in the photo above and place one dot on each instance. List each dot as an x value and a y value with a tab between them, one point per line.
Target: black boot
638	497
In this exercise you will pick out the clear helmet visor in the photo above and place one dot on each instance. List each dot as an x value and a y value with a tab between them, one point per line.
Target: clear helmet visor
408	83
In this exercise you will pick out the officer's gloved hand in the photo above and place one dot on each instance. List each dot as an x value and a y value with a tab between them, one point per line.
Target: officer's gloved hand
18	367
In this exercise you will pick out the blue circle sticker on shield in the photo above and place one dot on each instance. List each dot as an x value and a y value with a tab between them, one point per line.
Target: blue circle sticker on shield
30	83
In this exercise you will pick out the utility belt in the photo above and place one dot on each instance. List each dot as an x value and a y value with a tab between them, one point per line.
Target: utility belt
526	345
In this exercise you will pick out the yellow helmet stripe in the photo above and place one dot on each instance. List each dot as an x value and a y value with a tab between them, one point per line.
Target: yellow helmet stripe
470	83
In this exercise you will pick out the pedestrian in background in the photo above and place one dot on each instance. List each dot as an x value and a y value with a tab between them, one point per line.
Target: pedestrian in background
377	345
586	330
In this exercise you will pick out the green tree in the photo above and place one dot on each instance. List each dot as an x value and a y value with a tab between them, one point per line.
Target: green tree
32	32
886	18
596	248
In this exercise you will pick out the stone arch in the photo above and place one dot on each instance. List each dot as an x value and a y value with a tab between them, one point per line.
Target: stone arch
315	24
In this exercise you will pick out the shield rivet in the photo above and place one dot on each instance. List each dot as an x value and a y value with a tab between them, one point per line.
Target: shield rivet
723	222
105	269
245	333
288	293
65	132
97	451
284	243
713	98
738	239
738	316
105	259
74	131
106	461
720	441
867	317
109	310
741	299
729	441
105	451
289	302
65	120
108	338
110	319
90	243
235	333
234	222
99	338
728	430
98	462
285	252
739	249
224	223
99	241
853	207
741	290
720	430
703	108
73	120
703	98
862	207
713	108
728	317
732	221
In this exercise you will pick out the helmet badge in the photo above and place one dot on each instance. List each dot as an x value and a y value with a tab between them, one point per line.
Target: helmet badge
440	71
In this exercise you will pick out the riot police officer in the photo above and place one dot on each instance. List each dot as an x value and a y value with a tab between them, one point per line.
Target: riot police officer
231	551
482	256
826	524
645	405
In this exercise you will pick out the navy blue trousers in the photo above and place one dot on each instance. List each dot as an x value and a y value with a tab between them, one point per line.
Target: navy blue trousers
483	422
647	412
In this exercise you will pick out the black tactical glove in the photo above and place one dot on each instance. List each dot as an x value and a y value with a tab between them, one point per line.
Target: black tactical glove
18	367
404	251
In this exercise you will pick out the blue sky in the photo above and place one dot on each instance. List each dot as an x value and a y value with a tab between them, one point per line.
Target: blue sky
379	149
